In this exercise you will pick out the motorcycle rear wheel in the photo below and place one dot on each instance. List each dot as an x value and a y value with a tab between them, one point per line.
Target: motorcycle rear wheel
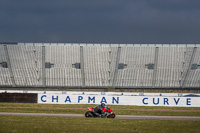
88	114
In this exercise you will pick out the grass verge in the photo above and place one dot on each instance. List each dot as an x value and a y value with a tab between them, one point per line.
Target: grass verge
82	108
66	124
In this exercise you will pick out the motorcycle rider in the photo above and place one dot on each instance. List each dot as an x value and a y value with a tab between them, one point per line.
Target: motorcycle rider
100	110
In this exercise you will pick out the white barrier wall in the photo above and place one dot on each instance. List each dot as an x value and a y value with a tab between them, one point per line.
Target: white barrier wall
119	100
115	98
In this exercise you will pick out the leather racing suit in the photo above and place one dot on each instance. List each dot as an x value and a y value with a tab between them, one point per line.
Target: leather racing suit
99	111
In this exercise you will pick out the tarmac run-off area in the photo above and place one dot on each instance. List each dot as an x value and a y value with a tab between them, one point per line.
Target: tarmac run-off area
117	116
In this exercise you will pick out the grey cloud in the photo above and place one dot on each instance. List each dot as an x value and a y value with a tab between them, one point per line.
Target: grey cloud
112	21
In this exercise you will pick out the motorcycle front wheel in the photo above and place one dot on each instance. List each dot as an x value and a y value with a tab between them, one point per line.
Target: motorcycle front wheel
113	115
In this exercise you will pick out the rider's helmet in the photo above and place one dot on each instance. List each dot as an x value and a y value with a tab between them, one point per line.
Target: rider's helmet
103	105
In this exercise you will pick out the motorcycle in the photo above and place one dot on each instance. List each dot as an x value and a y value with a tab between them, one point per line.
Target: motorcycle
108	113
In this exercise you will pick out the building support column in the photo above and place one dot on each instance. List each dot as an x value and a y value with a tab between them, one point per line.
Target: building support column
9	66
185	77
116	67
43	67
155	67
82	66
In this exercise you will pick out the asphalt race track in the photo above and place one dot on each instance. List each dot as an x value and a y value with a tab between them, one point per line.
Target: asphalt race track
117	116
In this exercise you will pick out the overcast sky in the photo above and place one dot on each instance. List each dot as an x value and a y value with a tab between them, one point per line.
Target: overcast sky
100	21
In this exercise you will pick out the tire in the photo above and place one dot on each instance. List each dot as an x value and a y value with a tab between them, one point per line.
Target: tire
88	114
113	115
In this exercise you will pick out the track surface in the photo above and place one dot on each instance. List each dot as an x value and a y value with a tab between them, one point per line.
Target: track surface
117	116
160	110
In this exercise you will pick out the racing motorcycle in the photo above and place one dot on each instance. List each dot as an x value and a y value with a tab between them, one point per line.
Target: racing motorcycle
108	113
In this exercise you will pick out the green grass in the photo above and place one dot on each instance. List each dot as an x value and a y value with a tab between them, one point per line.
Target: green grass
64	124
92	105
55	108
